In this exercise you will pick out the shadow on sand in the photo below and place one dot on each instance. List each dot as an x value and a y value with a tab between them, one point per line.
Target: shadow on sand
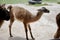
55	39
17	38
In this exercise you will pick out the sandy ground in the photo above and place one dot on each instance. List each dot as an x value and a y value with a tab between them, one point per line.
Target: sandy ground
43	29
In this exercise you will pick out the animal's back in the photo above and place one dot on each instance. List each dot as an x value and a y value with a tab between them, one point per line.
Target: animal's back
21	13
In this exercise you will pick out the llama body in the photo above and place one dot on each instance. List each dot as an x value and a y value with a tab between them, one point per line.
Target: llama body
25	16
20	13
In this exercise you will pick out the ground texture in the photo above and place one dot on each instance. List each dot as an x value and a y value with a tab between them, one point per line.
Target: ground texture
43	29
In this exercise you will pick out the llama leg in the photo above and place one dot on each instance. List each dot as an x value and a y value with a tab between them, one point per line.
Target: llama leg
30	32
11	22
1	22
57	35
25	26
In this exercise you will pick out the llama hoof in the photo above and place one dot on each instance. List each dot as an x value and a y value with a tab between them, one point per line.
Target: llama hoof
56	36
11	36
27	39
0	26
33	38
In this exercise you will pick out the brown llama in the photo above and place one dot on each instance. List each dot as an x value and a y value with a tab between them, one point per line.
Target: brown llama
57	35
25	16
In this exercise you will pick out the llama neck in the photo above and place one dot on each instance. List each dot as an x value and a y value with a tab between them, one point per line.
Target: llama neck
37	17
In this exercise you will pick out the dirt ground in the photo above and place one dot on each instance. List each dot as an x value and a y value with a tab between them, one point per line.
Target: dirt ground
43	29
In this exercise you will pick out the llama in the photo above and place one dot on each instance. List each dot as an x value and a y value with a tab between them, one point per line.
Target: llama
24	16
57	35
4	14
